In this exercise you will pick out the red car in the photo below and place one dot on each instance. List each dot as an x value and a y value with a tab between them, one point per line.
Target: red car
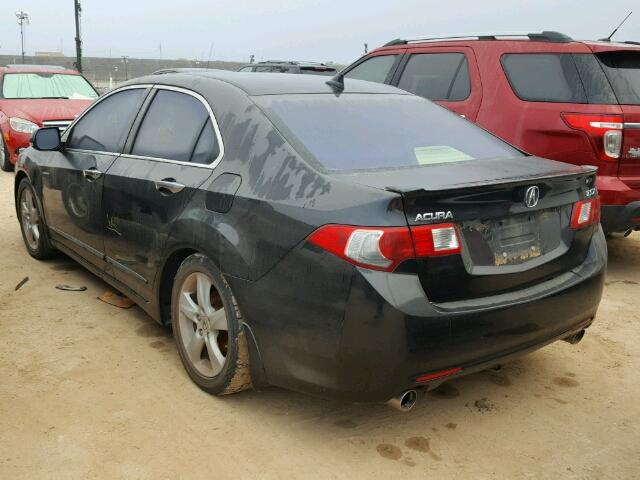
33	96
573	101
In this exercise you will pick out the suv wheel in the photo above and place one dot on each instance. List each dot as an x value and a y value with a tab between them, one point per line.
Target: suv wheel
34	230
207	326
5	163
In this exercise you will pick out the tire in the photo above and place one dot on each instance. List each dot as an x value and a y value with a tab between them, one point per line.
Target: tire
32	224
199	294
5	163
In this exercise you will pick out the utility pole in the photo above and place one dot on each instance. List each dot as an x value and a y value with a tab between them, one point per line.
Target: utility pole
23	19
125	60
366	48
78	9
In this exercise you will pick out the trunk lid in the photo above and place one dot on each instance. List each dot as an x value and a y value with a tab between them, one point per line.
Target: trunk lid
510	237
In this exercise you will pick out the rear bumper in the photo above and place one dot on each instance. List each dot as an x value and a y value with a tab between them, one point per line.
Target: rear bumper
620	204
620	218
365	336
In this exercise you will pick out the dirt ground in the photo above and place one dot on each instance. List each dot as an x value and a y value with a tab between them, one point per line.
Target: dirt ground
88	390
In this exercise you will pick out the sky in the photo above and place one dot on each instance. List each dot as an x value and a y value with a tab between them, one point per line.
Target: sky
314	30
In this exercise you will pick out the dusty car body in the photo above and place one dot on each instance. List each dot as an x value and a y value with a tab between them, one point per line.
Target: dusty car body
359	242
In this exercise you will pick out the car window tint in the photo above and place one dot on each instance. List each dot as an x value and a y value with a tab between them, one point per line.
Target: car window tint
105	127
367	131
374	69
263	69
596	86
623	70
246	69
171	126
207	148
544	77
437	76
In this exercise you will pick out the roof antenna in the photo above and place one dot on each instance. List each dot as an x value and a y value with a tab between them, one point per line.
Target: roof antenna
608	39
337	83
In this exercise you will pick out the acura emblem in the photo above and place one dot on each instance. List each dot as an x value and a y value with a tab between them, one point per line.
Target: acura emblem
531	196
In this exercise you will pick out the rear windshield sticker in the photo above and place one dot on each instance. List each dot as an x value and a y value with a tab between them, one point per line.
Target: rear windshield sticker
439	154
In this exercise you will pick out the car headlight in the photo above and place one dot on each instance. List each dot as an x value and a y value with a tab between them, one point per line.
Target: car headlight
21	125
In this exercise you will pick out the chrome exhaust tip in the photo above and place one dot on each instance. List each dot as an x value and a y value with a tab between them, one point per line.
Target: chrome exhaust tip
575	338
405	401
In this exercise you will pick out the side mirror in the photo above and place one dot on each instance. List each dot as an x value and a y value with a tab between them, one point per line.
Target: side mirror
47	139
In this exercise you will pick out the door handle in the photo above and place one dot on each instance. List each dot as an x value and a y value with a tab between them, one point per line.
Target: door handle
92	174
168	186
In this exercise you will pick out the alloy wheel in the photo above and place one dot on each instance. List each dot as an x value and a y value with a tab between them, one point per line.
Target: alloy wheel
203	324
30	218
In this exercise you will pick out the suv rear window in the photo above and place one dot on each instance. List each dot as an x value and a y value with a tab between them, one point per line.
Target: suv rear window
623	70
437	76
557	77
368	131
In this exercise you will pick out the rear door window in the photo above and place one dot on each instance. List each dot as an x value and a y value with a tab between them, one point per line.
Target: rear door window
105	127
623	70
172	128
374	69
437	76
563	78
207	148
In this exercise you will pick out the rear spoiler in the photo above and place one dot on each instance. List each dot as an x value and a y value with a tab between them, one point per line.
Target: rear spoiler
516	180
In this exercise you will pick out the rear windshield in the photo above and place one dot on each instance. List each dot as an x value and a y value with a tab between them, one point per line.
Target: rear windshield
47	85
623	70
557	77
366	131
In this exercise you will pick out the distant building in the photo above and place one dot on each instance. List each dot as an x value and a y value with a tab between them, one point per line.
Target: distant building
49	54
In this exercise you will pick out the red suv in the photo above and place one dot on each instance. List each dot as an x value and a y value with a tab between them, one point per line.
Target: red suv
573	101
33	96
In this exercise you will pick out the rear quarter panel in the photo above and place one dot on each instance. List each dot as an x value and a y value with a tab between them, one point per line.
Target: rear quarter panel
535	127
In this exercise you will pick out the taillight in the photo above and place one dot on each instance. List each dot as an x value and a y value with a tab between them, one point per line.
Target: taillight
384	248
585	213
605	132
435	240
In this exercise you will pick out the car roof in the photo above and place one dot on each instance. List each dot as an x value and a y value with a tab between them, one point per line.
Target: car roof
267	83
19	68
546	40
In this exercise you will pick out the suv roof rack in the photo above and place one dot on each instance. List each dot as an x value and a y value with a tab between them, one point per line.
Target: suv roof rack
164	71
545	36
43	67
293	62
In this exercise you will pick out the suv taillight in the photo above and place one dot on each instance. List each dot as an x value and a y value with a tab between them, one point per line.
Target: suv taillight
384	248
605	132
585	213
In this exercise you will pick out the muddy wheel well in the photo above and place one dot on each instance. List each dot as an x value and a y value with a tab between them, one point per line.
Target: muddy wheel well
19	176
166	282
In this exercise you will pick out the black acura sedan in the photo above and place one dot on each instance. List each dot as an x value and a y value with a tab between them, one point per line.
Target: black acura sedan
349	240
